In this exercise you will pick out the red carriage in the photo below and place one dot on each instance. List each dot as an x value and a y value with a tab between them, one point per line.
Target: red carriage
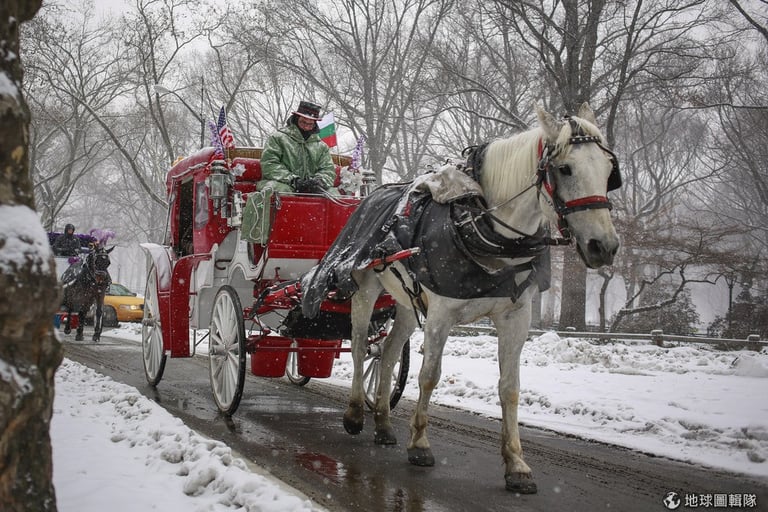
212	282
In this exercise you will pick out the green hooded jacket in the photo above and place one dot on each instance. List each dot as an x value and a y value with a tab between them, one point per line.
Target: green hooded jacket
287	155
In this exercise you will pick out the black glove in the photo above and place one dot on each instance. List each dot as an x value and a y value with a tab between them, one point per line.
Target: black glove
307	185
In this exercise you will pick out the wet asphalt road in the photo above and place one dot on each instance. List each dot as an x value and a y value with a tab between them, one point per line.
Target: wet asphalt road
297	435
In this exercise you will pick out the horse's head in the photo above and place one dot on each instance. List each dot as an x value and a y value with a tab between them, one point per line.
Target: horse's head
98	262
577	170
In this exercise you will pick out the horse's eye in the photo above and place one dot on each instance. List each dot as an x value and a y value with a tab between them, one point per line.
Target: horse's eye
565	170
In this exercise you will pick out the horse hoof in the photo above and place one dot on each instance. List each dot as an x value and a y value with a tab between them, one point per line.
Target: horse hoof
67	330
421	457
352	426
384	436
78	337
354	418
96	339
520	483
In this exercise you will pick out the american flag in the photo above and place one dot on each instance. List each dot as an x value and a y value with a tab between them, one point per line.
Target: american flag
225	134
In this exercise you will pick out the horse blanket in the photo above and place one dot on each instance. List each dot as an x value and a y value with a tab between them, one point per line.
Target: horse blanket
456	260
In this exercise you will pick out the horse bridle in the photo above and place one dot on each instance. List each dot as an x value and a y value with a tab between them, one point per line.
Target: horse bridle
547	152
99	275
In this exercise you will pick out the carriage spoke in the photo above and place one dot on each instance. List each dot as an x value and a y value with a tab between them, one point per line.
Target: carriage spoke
371	377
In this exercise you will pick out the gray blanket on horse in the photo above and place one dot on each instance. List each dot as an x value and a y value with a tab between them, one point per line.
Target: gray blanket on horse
454	261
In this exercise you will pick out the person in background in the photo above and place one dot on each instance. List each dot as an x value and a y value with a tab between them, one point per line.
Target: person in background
67	244
294	158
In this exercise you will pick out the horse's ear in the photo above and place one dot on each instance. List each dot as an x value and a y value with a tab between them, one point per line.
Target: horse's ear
548	123
110	249
585	112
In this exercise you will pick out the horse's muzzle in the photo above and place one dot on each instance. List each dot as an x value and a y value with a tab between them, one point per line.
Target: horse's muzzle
598	253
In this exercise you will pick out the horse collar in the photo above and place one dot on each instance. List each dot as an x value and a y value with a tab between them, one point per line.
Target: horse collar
475	156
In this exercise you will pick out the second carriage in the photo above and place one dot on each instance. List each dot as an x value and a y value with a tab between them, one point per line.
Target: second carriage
214	281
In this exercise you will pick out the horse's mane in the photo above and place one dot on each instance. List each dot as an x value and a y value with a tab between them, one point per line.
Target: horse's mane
510	163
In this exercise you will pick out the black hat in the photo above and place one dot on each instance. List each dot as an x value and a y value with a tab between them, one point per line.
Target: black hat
308	110
69	227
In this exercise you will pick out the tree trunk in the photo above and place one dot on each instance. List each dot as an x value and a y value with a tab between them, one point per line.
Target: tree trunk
29	351
536	310
573	304
602	313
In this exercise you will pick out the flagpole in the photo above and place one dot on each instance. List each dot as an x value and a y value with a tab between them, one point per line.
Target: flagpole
202	108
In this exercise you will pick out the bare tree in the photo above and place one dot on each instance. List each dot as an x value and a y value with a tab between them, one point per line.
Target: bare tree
258	95
66	141
739	194
674	258
29	352
756	16
608	53
368	58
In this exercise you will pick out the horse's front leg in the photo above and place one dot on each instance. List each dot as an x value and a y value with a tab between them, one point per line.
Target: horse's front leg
362	307
97	318
80	324
392	347
436	329
512	329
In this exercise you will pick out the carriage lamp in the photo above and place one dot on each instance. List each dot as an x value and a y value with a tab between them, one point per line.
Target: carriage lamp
219	182
369	180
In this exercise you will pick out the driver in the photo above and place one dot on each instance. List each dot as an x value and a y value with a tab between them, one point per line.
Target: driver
67	244
295	159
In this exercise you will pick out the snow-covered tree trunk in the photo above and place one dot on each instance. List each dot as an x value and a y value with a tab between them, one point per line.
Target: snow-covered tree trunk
29	351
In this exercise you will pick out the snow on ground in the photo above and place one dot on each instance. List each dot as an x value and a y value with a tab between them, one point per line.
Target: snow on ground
117	450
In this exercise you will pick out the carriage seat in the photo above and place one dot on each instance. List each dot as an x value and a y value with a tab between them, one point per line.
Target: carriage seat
247	181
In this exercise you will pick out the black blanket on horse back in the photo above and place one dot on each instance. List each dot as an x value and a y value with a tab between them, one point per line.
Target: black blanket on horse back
387	221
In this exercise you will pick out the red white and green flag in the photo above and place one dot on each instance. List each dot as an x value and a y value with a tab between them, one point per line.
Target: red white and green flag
327	129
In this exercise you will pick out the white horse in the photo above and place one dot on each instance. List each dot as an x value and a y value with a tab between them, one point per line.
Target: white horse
559	171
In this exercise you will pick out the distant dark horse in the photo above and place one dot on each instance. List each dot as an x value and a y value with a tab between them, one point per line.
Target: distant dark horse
85	283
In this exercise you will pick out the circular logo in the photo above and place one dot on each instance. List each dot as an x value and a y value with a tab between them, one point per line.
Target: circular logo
671	500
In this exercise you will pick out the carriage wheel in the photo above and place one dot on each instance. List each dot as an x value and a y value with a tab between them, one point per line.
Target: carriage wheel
226	350
292	369
152	333
372	372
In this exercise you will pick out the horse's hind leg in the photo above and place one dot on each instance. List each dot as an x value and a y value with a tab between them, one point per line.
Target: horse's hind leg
362	307
67	328
402	328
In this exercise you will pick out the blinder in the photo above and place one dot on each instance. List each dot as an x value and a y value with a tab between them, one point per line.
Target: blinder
614	179
98	261
101	261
